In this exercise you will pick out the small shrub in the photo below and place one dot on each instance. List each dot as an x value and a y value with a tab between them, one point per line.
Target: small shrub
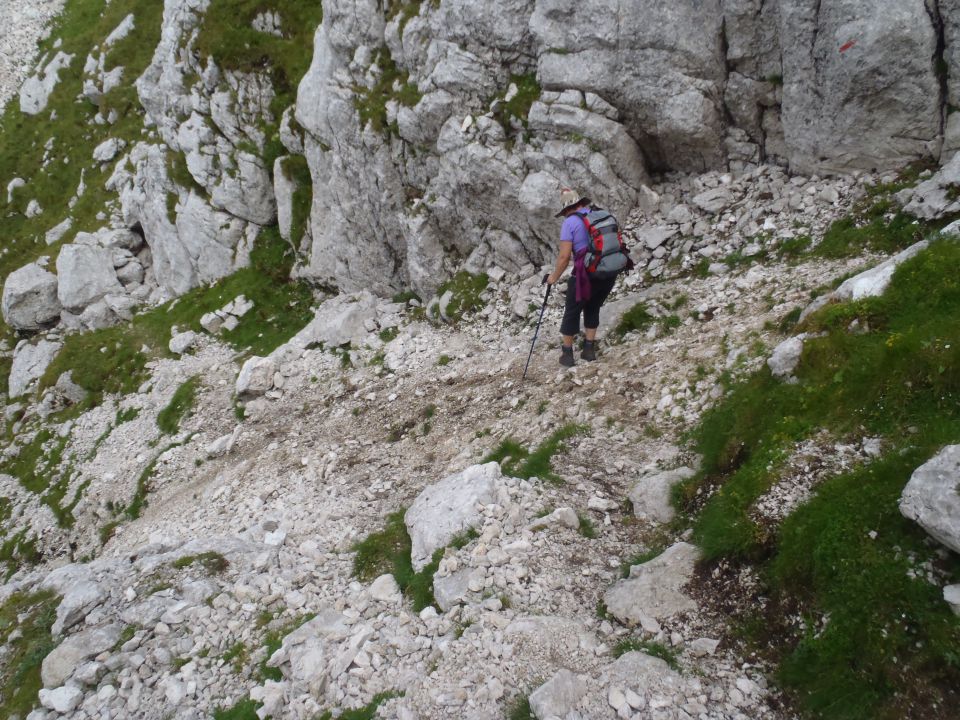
519	462
650	647
241	710
443	360
635	319
180	404
587	529
519	709
213	562
466	289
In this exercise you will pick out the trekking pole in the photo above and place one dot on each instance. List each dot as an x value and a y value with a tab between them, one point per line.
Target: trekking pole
536	332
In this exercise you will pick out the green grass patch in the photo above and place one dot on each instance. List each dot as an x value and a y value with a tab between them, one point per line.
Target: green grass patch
517	461
17	550
388	551
82	26
227	35
237	655
213	562
889	646
112	360
179	406
519	709
241	710
296	169
466	289
587	528
41	468
852	235
25	622
650	647
392	83
518	107
367	712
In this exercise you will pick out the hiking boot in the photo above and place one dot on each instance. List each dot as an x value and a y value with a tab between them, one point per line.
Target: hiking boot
589	350
566	356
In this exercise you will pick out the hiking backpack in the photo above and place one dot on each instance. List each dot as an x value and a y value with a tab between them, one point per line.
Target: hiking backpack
608	255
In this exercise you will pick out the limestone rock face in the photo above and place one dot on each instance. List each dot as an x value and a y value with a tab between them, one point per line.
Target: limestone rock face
30	298
448	508
859	86
191	242
661	64
85	275
30	361
932	500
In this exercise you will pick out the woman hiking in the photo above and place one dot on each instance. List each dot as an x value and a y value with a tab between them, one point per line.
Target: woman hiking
586	290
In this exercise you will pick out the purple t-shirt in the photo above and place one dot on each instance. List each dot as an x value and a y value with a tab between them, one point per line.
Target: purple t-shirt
573	230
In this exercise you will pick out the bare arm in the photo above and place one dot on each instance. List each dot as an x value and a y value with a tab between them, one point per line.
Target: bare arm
563	259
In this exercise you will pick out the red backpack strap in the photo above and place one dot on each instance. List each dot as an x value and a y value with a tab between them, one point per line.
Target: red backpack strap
596	239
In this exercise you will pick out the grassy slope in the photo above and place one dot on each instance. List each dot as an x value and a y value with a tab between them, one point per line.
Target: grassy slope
83	25
889	648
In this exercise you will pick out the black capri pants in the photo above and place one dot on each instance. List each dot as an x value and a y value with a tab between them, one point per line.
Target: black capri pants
599	290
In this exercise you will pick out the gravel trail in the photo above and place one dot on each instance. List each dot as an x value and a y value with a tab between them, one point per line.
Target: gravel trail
24	23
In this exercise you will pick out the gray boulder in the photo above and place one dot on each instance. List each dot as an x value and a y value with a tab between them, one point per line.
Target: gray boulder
448	508
931	498
59	665
951	595
30	298
85	275
651	495
654	590
30	362
870	283
451	590
256	376
61	700
77	601
558	696
936	196
340	320
786	356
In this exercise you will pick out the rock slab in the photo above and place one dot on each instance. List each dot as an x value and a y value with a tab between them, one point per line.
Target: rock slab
931	498
447	508
654	590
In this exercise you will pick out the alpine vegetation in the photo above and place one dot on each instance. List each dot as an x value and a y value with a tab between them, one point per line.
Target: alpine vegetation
285	287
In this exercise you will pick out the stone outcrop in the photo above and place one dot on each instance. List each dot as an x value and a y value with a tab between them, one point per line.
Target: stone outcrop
30	361
449	508
931	498
651	495
30	298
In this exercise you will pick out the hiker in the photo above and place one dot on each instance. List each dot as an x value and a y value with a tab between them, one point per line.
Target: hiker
594	273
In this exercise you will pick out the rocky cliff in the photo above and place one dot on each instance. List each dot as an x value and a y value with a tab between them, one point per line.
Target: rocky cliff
430	137
271	271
